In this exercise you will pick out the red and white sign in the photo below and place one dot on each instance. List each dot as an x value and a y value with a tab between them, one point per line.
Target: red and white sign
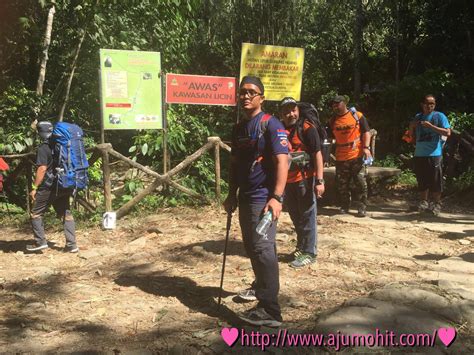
200	90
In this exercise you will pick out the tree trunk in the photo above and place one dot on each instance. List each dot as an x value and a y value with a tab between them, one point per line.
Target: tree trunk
44	53
71	75
357	48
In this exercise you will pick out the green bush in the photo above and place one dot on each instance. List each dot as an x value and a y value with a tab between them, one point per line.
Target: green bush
461	121
465	181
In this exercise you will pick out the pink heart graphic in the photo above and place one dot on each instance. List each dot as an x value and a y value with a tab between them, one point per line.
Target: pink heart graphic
447	335
230	335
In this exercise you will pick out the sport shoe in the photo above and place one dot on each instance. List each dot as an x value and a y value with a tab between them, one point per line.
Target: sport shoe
247	294
361	212
71	249
258	316
36	247
303	260
435	208
297	253
343	210
423	206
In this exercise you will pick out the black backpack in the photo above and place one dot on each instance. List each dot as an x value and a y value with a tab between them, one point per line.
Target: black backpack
309	114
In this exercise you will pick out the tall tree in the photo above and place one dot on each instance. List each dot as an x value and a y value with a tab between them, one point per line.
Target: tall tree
45	48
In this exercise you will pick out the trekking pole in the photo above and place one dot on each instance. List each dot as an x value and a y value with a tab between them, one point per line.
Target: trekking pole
229	220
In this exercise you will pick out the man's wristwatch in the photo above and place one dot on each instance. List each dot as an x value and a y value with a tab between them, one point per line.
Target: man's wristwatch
279	198
319	182
367	148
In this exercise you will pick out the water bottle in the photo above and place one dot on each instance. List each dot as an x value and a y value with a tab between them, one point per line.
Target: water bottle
264	224
368	161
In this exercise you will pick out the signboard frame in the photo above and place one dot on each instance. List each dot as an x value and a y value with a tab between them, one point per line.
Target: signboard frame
203	91
131	90
273	64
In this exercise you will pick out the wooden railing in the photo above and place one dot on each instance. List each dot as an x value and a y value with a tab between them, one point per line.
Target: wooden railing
103	151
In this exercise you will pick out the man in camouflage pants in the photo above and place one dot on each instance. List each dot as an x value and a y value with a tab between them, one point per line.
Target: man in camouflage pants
352	133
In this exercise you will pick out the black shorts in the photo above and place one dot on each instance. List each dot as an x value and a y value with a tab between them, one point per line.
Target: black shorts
429	173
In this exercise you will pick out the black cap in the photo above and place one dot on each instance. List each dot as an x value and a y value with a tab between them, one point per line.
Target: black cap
253	80
45	129
338	98
288	101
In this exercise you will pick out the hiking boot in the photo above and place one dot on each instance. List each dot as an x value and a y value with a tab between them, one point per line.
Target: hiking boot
37	247
423	206
303	260
247	294
361	212
258	316
71	249
435	208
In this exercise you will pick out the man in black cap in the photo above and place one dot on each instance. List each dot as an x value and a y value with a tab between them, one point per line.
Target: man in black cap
258	170
301	187
44	193
352	133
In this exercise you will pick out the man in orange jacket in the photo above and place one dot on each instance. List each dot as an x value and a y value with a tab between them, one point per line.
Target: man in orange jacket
301	187
352	133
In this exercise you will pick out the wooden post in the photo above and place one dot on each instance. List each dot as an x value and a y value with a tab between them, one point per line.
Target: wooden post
165	151
373	134
217	160
29	181
105	157
107	184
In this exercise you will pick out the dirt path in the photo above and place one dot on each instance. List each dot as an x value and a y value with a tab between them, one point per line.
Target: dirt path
152	284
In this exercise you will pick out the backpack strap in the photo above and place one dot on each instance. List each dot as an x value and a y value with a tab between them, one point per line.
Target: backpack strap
353	111
262	125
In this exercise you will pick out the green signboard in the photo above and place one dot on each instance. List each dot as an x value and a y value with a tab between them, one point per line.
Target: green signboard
131	91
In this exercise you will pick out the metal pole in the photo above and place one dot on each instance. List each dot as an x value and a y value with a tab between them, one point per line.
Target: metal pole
165	123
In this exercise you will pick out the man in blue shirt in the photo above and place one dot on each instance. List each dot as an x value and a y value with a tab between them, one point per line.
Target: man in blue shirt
429	127
258	170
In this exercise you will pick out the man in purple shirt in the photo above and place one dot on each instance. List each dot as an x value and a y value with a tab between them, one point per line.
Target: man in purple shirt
258	171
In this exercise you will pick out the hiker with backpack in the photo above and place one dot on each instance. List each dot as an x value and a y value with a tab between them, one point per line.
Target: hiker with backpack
428	129
351	131
306	164
258	171
61	169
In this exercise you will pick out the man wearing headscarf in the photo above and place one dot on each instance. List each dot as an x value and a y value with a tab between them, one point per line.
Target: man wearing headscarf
258	171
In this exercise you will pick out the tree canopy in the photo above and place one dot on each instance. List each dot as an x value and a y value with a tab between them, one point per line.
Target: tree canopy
384	54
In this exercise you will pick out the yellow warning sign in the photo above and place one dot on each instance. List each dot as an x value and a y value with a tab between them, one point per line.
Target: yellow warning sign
279	68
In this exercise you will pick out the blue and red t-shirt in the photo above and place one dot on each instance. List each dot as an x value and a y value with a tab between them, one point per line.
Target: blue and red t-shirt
256	180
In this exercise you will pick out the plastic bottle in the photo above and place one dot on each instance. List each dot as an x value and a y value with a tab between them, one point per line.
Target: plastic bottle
264	224
368	161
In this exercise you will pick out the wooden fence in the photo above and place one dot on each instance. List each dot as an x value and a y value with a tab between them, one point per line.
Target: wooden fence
104	151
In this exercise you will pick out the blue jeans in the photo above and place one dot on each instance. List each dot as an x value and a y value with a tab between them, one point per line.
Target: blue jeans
301	205
263	256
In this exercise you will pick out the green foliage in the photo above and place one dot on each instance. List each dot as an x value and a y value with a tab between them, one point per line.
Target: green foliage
18	109
390	161
406	177
461	121
465	181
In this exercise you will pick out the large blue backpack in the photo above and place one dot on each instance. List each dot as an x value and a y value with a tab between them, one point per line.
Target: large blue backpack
69	155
